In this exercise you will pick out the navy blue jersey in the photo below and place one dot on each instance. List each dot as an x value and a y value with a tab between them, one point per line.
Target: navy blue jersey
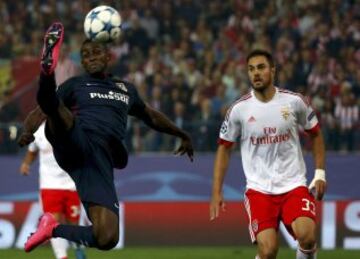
101	106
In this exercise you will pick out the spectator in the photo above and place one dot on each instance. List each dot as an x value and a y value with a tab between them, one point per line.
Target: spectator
347	115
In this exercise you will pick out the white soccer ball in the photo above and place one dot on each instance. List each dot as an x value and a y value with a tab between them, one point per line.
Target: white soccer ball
102	24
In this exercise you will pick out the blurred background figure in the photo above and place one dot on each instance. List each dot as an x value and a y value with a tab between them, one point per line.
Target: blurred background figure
9	120
57	190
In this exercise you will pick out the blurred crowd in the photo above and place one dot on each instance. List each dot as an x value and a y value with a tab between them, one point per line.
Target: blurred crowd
187	57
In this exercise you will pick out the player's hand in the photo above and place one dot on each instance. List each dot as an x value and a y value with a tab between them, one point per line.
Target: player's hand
320	187
319	184
186	147
25	139
25	169
217	203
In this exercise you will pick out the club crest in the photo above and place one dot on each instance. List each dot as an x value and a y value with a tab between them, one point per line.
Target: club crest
285	112
122	86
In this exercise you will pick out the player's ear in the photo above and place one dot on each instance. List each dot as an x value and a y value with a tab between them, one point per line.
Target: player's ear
273	71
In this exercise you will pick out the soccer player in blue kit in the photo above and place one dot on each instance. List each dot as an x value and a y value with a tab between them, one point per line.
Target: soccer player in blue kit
85	123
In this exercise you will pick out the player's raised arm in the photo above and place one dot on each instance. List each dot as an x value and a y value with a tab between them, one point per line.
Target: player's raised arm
159	122
31	124
221	163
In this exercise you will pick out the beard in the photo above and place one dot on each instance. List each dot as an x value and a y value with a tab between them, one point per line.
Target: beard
261	85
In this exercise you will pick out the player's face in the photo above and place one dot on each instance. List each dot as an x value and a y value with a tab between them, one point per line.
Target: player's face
260	72
94	57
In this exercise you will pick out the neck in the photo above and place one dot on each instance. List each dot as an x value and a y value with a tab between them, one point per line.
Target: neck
266	94
100	75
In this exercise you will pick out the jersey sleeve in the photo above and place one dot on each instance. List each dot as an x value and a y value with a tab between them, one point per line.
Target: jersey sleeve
306	116
137	104
230	128
33	146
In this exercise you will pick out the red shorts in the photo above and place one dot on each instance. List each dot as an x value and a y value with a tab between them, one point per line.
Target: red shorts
65	202
267	210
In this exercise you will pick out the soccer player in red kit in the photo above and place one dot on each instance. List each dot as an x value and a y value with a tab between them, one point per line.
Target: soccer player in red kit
266	121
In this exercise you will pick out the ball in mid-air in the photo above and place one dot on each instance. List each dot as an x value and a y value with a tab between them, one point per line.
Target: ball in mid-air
102	24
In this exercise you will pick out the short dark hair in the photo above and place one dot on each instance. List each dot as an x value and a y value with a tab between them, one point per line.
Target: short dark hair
88	41
260	52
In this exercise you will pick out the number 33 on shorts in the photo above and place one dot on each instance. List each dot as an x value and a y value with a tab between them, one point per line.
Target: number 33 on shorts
308	206
75	211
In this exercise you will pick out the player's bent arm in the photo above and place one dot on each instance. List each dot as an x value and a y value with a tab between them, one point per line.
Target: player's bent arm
221	164
158	121
33	121
29	158
31	124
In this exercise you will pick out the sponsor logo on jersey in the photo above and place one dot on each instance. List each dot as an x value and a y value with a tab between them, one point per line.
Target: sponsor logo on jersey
122	86
285	112
270	139
111	96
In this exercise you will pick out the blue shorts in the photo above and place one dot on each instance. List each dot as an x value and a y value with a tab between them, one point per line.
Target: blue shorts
88	160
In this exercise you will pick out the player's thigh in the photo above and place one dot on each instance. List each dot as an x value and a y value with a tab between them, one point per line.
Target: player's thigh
299	206
263	212
267	241
70	147
72	207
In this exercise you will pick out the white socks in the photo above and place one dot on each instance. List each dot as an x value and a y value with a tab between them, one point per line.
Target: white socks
59	246
306	254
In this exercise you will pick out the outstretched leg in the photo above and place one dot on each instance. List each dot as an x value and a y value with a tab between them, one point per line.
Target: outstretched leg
59	117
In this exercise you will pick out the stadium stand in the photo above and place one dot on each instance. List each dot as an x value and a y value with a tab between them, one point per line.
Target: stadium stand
187	58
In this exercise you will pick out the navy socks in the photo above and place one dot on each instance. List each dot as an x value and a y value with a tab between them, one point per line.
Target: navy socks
78	234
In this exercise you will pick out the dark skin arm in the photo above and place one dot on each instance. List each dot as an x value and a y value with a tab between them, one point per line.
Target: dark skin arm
159	122
32	122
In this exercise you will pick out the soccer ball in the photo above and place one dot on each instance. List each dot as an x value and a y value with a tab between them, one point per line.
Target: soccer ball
102	24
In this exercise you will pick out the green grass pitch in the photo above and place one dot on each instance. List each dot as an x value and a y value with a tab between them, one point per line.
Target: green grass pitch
174	253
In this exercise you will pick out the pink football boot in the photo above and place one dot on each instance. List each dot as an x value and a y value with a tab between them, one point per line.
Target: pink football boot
51	50
47	223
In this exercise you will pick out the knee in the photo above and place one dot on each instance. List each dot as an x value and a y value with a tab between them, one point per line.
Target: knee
107	240
268	250
307	241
